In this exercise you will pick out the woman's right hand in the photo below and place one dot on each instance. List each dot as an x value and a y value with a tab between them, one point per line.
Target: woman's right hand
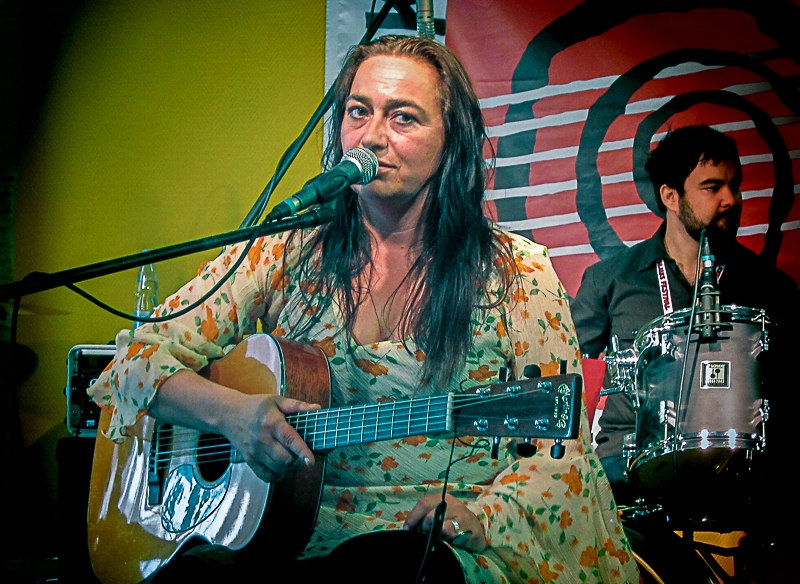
254	423
260	432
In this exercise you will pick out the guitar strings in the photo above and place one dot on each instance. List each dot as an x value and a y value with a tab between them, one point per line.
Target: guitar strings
305	420
215	448
220	450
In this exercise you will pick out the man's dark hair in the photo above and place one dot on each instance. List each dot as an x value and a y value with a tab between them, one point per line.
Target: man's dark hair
681	150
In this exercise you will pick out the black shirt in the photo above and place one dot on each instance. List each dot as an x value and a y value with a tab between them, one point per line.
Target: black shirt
621	295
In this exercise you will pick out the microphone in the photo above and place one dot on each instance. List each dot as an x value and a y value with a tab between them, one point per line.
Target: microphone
707	286
425	23
358	166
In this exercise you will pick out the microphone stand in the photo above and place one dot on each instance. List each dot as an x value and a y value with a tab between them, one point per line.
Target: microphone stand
294	148
39	281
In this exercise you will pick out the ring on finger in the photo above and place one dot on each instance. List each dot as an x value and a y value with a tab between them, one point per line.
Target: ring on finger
461	535
461	538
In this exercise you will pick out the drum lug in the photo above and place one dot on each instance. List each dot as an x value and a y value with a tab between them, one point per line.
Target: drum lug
764	342
666	413
668	348
629	446
764	411
621	364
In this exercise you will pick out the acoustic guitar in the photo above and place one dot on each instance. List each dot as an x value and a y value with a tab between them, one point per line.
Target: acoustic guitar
166	486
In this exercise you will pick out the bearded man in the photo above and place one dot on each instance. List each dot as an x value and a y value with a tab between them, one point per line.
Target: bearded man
697	175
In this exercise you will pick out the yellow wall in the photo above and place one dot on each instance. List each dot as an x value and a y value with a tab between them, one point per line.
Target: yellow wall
165	121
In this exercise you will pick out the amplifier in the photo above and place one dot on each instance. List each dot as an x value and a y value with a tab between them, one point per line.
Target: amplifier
84	365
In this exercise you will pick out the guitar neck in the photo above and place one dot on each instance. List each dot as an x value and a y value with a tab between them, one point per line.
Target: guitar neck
343	426
541	408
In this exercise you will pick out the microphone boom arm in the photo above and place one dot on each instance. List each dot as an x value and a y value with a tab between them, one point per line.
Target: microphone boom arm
40	281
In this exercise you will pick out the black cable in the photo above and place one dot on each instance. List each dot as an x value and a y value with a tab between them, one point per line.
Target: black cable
438	516
154	319
435	532
682	384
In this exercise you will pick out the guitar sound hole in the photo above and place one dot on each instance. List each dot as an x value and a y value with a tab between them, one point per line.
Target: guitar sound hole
213	457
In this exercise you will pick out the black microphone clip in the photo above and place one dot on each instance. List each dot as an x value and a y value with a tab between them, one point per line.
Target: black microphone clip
708	292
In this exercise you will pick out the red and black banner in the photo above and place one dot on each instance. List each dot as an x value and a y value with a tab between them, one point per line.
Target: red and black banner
575	93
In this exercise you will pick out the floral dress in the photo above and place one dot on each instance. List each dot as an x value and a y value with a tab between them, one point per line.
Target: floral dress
546	519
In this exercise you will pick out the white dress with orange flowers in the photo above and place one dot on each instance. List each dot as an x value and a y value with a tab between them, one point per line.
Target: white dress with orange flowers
546	520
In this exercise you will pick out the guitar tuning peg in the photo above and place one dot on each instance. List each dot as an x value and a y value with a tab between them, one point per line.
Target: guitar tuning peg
526	448
557	450
495	447
532	371
502	374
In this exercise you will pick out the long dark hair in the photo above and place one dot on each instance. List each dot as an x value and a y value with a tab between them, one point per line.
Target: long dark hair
460	250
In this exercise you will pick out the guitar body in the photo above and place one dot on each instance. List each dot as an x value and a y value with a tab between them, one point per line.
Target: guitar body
166	487
141	513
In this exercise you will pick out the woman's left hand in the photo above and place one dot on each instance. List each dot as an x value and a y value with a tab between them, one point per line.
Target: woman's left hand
461	527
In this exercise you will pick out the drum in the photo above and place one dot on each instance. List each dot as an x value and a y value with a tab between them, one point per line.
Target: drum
702	436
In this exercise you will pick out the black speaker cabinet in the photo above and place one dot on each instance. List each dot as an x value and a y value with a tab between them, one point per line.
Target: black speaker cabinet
84	365
74	456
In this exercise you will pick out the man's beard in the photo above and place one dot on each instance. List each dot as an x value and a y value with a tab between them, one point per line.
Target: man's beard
722	228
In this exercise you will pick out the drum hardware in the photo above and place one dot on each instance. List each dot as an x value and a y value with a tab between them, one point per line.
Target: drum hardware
717	424
761	318
763	412
667	416
629	446
621	364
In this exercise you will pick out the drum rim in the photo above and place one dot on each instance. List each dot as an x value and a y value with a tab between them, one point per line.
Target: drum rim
678	319
749	442
686	441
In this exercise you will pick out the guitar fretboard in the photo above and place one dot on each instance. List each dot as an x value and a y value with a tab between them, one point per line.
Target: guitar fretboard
334	427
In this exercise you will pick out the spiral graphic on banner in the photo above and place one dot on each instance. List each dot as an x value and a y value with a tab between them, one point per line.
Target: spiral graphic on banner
764	97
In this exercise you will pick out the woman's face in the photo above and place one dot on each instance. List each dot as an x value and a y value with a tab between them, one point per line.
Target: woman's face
394	110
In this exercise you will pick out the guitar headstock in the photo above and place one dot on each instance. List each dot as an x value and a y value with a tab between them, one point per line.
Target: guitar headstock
545	407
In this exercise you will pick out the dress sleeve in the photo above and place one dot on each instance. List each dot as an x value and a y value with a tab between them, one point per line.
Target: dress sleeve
149	355
544	514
